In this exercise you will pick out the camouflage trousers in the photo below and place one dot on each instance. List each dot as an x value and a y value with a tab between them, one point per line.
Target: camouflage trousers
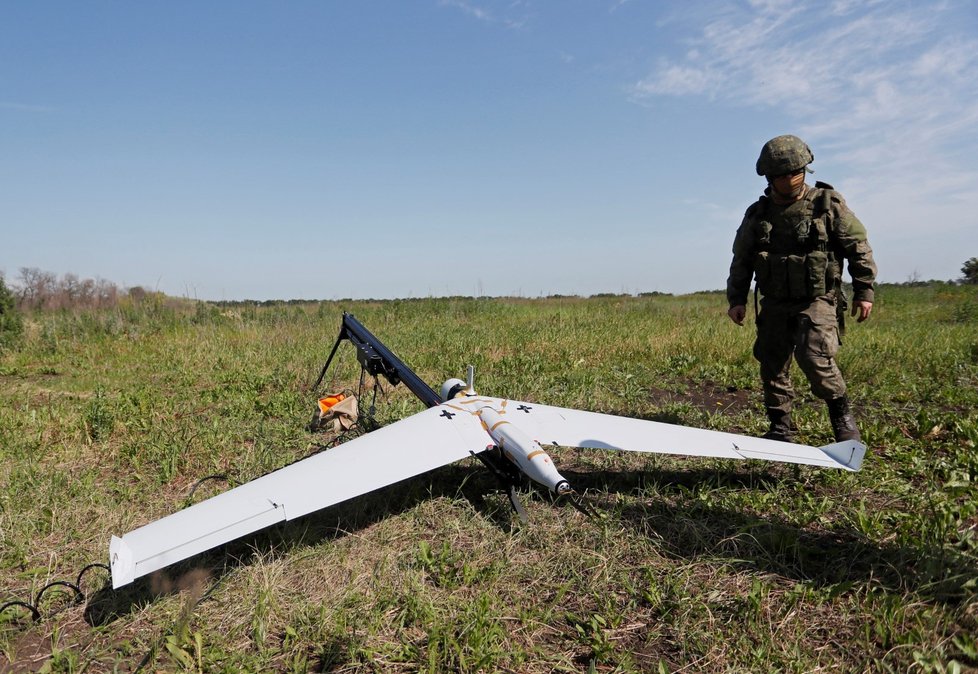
810	332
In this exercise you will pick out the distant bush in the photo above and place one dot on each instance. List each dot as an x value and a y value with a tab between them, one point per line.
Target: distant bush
11	323
970	271
43	290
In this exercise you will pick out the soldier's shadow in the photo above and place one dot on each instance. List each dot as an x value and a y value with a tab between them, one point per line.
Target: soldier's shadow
687	528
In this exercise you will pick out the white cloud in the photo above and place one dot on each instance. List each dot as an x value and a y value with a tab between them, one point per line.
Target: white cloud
886	90
511	14
468	8
674	79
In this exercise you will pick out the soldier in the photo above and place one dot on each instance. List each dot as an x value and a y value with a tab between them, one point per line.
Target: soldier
794	240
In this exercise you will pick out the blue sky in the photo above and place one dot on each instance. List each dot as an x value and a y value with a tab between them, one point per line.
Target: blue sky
233	150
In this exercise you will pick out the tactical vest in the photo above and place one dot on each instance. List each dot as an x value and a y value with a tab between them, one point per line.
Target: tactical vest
793	257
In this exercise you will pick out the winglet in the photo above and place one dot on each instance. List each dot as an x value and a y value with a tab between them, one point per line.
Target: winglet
849	453
122	562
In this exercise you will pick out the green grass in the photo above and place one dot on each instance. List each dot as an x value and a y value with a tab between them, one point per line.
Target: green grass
108	420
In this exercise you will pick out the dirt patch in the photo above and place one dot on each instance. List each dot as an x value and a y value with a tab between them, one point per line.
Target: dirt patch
708	396
39	641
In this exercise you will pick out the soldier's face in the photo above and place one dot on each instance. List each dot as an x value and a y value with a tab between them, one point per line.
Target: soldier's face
788	186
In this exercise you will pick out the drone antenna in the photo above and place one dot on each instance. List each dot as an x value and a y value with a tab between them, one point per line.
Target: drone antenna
470	378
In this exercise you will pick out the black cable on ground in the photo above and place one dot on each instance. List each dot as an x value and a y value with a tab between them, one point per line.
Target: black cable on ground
35	614
79	595
202	480
93	565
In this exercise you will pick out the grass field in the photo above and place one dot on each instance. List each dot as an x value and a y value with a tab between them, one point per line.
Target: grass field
109	419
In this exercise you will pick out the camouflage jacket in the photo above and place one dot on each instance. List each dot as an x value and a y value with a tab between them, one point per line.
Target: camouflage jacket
796	252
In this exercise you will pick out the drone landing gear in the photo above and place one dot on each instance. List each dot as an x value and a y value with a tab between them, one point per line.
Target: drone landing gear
507	474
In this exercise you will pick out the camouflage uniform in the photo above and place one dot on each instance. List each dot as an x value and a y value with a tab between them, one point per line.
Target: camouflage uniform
796	252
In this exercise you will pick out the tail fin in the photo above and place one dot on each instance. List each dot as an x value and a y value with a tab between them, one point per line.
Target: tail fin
849	453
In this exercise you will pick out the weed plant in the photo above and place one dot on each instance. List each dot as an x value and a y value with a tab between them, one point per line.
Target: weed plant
108	420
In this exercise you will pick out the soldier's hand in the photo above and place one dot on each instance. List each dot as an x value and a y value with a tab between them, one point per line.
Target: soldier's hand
737	314
861	310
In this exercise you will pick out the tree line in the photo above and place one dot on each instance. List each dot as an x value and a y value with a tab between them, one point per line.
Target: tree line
36	289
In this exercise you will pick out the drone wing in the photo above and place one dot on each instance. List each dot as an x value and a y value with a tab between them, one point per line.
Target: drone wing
423	442
575	428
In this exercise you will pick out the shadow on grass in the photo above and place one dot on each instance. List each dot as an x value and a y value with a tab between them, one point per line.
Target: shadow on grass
686	528
465	481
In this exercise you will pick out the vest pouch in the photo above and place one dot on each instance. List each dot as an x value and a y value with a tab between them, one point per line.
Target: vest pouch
797	276
803	232
817	265
772	275
762	233
762	270
820	233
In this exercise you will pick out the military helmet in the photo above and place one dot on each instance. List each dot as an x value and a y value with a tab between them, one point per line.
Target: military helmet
782	155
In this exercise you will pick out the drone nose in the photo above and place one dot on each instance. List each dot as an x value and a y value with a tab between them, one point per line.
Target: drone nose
563	487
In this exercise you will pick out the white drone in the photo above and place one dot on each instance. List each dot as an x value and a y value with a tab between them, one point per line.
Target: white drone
457	424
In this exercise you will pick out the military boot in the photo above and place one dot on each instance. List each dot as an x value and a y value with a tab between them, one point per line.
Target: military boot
782	428
843	423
